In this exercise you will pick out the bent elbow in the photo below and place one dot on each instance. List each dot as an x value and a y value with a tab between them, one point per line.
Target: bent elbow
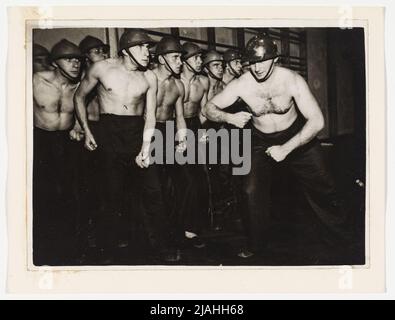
320	123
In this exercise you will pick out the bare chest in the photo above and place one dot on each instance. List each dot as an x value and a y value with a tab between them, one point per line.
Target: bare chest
215	89
168	94
123	86
268	100
50	98
194	91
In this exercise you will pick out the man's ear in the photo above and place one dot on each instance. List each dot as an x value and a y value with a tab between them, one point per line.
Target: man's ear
54	64
161	60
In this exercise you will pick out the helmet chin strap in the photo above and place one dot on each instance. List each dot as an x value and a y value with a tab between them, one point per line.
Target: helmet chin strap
234	73
68	77
212	75
267	75
190	67
140	67
176	75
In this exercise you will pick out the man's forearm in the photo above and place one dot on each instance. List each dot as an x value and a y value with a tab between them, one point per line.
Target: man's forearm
213	113
81	113
148	133
181	128
308	133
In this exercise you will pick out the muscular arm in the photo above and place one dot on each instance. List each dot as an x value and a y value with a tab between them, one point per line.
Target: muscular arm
203	101
86	86
150	111
213	109
180	120
310	109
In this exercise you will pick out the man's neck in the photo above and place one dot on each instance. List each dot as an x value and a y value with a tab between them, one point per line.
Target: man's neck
187	74
162	73
129	64
61	79
213	82
228	77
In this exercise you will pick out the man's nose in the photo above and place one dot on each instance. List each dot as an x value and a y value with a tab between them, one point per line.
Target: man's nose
145	51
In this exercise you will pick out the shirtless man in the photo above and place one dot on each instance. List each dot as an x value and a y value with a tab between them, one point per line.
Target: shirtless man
218	173
88	182
213	65
233	67
94	50
274	95
53	93
40	58
170	98
195	204
126	92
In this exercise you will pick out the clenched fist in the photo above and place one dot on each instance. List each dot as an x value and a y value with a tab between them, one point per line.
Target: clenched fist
239	119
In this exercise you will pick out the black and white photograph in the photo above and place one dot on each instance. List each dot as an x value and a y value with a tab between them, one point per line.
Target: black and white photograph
199	146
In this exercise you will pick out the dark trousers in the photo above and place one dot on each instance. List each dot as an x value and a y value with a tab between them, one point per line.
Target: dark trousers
307	166
184	188
54	212
119	139
195	204
87	188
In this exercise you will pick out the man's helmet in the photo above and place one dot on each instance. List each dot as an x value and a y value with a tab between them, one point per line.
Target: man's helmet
211	56
191	49
65	49
231	54
90	42
260	48
39	51
133	37
168	44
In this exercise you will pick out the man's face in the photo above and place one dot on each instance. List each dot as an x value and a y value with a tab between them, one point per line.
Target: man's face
71	66
40	63
97	54
174	61
236	66
216	68
141	54
196	62
260	69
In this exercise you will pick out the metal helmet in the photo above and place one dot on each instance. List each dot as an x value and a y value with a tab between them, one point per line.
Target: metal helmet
191	49
231	54
168	44
211	56
260	48
65	49
133	37
90	42
39	51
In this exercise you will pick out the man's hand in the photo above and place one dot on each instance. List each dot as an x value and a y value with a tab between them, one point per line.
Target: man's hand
239	119
181	146
90	142
278	153
76	134
142	159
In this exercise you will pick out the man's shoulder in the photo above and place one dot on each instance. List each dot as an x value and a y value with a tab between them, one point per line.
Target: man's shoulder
104	65
47	76
150	76
286	72
204	80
